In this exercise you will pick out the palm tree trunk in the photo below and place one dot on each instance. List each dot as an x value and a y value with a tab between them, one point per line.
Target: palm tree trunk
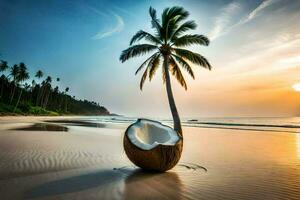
30	96
66	104
18	100
61	102
43	96
38	97
12	94
175	115
47	99
2	85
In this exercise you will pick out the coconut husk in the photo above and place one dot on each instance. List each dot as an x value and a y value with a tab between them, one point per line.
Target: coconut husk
160	158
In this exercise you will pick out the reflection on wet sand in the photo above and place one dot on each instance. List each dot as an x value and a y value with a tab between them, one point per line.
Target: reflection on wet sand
298	145
146	185
130	184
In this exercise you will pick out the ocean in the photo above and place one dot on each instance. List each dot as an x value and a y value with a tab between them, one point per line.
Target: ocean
274	124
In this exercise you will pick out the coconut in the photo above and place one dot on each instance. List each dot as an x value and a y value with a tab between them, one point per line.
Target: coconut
151	145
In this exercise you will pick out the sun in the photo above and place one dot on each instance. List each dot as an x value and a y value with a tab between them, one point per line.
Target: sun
296	87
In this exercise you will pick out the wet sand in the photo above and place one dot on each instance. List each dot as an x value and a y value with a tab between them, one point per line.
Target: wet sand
73	161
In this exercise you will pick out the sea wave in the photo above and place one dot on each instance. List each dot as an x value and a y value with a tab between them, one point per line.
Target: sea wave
289	125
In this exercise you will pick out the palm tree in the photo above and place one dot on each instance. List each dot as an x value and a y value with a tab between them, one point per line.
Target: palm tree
167	42
3	68
22	76
39	74
14	72
66	95
33	84
49	79
48	82
56	92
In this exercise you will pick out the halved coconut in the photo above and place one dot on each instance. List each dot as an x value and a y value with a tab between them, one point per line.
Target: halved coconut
152	146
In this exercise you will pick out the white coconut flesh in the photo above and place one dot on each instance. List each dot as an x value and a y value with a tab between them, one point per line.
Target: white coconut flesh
147	134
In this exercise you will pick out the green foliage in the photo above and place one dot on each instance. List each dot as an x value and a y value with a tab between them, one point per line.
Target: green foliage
167	38
40	111
136	50
7	109
40	97
25	107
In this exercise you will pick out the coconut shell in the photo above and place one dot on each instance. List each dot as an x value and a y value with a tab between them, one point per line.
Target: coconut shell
160	158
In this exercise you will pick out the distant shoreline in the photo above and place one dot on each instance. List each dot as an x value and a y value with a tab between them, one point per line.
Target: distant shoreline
63	115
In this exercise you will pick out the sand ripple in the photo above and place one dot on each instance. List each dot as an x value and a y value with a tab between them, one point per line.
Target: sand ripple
34	161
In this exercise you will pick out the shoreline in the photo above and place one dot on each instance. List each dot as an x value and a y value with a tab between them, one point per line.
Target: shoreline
64	115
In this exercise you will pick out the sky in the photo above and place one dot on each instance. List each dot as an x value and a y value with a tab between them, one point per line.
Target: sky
254	52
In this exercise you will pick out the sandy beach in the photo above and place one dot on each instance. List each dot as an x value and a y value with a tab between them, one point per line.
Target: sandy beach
82	162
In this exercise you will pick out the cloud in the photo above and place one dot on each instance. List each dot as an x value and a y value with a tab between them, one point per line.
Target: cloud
117	28
124	11
257	11
96	11
224	19
291	60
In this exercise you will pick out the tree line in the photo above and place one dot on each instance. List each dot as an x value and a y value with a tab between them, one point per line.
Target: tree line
39	96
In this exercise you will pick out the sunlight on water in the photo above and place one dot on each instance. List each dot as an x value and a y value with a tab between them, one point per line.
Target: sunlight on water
298	145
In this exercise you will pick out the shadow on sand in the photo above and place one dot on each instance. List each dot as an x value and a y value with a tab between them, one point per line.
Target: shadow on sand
137	184
42	127
78	123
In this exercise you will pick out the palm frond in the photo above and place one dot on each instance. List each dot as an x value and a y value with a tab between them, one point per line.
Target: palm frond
177	13
187	40
136	50
154	21
144	63
193	57
144	35
170	29
153	66
143	78
177	73
3	66
170	21
189	25
185	65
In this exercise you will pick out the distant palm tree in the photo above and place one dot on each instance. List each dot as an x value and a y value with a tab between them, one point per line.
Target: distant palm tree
33	84
22	76
56	89
56	92
27	87
66	100
167	42
48	82
3	68
14	72
49	79
39	74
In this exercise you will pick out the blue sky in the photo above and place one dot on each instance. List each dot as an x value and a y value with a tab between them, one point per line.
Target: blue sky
81	41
